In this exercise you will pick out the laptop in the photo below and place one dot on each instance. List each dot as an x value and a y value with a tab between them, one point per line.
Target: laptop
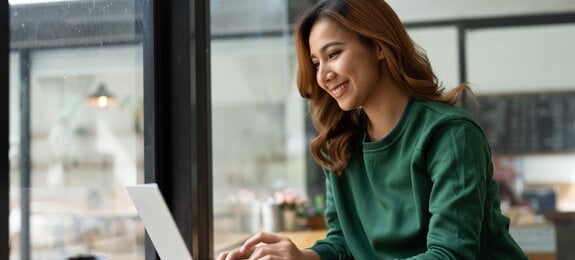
158	222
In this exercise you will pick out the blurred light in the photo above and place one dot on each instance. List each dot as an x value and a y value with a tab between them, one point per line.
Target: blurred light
102	97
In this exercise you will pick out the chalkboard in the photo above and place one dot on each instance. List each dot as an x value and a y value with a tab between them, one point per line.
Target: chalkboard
527	123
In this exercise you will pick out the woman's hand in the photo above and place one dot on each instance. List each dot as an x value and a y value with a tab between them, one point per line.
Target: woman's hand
273	247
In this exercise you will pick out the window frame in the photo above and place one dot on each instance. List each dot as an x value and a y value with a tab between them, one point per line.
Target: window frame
177	121
465	25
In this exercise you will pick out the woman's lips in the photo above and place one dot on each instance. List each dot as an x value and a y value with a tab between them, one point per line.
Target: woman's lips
338	90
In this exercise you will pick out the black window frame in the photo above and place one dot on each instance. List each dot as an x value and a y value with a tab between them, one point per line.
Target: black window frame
177	121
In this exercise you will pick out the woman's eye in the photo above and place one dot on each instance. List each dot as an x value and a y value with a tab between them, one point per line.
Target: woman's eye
315	65
333	54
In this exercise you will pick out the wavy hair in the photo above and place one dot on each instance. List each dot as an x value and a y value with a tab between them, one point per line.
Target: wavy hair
407	65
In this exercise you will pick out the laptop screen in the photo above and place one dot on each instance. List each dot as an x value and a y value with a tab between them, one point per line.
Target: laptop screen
158	222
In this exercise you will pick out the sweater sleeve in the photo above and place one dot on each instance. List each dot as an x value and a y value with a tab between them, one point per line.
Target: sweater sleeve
458	162
333	246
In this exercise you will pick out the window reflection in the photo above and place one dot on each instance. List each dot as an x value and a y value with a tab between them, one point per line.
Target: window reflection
258	119
78	155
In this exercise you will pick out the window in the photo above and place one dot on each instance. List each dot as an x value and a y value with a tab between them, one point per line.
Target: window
76	129
440	45
528	97
258	117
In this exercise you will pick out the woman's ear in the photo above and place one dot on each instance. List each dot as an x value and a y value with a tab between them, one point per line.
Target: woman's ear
380	51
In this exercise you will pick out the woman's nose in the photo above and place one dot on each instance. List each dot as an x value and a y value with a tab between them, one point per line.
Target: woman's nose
325	75
329	76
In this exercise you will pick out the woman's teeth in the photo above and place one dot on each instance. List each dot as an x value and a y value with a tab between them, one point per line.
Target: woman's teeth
339	89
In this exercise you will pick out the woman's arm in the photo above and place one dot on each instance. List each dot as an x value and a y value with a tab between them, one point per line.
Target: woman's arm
334	245
458	163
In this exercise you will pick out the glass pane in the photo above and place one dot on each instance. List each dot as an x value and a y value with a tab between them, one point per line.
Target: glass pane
523	76
440	44
81	65
258	118
522	59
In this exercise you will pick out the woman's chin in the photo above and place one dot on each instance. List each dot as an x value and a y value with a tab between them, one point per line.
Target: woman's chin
346	107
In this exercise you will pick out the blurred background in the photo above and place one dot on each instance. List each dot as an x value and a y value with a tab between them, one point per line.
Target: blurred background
76	118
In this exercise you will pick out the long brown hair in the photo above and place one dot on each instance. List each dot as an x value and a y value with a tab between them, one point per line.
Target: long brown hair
375	23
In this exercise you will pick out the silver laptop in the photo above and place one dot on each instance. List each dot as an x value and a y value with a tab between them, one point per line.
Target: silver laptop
158	221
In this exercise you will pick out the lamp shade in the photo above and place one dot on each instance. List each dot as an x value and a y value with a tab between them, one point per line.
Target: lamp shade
102	97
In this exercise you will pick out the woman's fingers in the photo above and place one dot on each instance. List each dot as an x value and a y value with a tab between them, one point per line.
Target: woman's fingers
262	237
266	252
264	246
222	256
233	254
284	249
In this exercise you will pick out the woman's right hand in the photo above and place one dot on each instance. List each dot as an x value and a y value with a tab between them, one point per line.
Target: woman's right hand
268	246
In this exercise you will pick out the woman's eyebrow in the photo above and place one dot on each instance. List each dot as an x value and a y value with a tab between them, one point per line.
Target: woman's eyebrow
327	45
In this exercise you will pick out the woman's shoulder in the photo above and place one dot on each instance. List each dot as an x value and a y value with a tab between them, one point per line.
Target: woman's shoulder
438	111
430	114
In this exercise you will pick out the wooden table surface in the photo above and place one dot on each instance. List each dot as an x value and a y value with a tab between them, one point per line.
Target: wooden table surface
305	238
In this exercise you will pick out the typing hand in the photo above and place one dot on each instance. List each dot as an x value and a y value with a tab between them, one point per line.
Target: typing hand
267	246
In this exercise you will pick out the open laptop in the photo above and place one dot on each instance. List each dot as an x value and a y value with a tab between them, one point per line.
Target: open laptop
158	221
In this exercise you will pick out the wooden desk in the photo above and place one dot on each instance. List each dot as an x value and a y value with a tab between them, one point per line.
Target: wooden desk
306	238
541	256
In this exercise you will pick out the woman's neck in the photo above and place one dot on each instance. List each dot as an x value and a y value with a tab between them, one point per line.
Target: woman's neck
384	116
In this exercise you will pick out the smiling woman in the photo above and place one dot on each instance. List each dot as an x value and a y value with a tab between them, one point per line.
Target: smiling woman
398	156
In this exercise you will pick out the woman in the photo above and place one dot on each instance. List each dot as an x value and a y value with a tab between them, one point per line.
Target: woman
408	174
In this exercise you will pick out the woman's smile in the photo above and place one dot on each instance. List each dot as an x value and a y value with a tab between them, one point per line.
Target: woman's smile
338	90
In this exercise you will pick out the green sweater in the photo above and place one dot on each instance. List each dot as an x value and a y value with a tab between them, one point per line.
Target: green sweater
425	191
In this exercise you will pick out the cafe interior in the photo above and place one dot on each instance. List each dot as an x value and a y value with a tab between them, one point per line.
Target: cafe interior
200	97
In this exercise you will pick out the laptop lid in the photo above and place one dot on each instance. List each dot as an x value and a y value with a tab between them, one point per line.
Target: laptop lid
158	222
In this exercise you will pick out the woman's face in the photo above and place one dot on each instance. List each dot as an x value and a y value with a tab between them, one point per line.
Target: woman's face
347	68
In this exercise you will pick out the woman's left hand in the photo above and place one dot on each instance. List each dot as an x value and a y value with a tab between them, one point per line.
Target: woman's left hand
273	247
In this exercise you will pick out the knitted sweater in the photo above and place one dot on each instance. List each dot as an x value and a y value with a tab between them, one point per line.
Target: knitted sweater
425	191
